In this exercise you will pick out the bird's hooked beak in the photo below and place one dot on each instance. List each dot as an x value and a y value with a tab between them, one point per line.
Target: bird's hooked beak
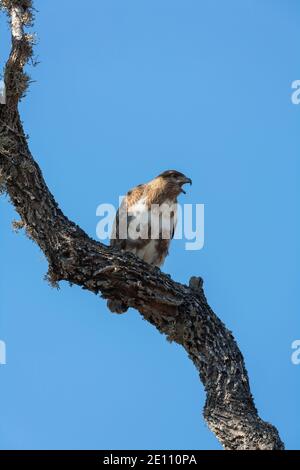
184	180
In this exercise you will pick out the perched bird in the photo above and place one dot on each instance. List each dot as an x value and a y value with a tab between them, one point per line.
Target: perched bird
146	220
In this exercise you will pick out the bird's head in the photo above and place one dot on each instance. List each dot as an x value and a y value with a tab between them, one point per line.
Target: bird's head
174	180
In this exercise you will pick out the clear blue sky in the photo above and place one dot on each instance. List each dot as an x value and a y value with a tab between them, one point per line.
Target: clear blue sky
125	90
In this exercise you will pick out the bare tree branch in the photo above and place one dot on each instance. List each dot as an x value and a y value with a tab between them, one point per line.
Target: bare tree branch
178	311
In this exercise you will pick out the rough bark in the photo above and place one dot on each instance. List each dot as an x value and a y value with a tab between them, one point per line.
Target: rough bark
180	312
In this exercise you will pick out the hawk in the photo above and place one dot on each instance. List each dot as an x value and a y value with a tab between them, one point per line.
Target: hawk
146	220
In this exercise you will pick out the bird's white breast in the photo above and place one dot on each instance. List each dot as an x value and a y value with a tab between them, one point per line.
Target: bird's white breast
163	221
163	218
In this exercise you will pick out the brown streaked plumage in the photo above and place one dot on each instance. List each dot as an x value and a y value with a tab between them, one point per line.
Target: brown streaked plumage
148	234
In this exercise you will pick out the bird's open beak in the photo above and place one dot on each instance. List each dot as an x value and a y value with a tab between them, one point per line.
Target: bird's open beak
185	180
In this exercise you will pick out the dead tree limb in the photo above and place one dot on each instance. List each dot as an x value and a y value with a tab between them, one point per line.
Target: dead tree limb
178	311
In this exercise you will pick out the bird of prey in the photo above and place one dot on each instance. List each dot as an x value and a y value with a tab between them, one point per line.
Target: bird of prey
146	220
